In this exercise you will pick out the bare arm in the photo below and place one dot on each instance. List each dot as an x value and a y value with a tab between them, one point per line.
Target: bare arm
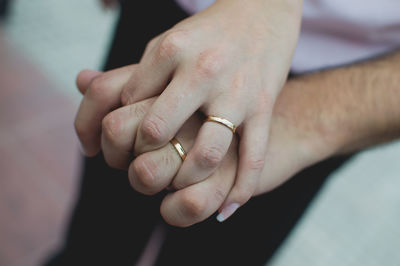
332	112
352	107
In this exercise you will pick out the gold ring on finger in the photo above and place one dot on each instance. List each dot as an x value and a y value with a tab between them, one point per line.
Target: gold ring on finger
179	149
222	121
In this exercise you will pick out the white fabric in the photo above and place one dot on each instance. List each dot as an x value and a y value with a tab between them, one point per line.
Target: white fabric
336	32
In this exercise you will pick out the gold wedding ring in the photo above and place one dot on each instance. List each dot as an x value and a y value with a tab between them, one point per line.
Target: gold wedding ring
222	121
179	149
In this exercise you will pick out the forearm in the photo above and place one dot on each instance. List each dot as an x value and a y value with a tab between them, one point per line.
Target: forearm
351	107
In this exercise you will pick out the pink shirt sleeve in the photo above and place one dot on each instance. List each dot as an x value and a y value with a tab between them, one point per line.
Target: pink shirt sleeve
193	6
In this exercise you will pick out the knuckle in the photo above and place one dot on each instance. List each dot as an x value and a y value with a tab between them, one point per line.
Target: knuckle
170	45
192	206
155	128
209	64
144	173
209	157
112	127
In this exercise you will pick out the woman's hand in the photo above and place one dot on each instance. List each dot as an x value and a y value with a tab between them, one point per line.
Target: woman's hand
230	61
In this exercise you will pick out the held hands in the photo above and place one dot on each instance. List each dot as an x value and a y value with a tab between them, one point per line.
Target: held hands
295	142
231	61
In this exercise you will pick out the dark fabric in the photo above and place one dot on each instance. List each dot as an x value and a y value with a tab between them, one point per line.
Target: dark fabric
3	8
112	222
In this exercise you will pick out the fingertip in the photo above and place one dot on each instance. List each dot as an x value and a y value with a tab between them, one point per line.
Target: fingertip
84	78
227	212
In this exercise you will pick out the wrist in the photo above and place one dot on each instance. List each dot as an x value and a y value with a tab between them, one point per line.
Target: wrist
302	106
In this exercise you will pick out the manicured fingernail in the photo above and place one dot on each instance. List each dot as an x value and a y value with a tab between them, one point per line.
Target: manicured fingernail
227	212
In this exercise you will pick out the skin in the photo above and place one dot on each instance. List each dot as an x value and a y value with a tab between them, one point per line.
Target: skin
316	116
109	3
211	63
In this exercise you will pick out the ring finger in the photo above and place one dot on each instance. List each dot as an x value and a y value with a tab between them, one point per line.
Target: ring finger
153	171
209	150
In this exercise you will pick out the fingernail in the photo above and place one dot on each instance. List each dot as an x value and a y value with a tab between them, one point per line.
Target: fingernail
227	212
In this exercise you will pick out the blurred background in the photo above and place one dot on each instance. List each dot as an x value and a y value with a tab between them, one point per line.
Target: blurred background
43	44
